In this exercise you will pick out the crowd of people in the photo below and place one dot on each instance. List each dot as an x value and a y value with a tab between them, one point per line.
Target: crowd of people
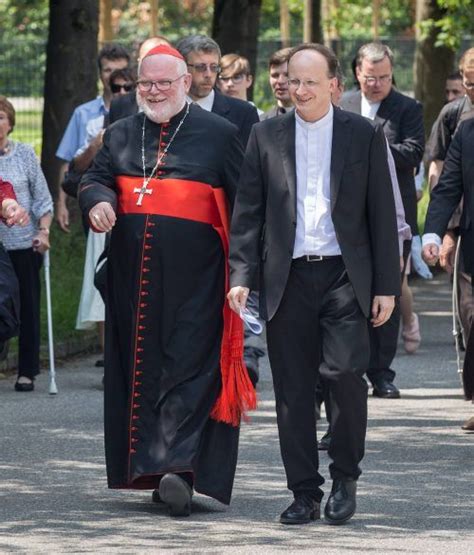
207	212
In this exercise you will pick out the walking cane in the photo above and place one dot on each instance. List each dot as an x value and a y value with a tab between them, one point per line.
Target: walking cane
52	371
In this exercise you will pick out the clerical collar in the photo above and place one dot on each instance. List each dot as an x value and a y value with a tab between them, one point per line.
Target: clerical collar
205	103
173	120
318	124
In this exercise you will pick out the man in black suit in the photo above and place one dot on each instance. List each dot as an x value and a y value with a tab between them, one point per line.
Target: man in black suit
456	182
202	54
401	118
314	230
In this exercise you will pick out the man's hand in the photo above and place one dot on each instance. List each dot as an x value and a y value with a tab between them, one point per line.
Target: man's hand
14	214
430	254
102	216
382	308
62	216
237	298
448	253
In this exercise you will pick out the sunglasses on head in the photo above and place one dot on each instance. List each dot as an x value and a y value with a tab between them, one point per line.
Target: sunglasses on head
115	88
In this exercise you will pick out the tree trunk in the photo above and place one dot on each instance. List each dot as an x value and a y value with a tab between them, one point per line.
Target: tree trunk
316	25
235	28
284	23
106	33
71	72
432	64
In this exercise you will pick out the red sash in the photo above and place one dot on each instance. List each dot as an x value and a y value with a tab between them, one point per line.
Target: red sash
197	201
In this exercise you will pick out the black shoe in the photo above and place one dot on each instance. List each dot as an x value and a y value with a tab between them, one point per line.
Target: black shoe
155	497
99	363
323	443
176	493
385	390
341	504
301	511
24	386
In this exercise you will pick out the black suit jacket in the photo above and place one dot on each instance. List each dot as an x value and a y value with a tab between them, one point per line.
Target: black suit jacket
457	179
123	106
362	207
402	120
240	113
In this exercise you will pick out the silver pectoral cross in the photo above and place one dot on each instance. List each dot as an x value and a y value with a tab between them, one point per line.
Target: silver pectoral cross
142	192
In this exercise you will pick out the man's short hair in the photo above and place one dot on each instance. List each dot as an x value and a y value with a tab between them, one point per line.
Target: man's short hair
331	59
197	43
466	63
112	51
238	65
374	52
125	73
455	76
279	57
7	107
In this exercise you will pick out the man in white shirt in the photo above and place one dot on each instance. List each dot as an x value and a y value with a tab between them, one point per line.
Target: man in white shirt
314	230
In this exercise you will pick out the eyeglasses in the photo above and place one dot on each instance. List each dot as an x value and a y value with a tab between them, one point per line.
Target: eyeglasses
115	87
467	85
202	68
236	79
369	80
161	85
295	83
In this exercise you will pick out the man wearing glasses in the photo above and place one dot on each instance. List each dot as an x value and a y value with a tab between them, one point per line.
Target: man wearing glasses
203	56
401	118
161	184
235	77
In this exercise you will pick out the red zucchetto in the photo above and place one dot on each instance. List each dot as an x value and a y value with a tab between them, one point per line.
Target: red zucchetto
164	49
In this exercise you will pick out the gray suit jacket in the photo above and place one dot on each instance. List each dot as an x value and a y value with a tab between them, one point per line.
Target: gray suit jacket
264	218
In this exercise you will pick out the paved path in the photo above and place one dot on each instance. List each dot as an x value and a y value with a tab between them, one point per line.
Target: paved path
415	495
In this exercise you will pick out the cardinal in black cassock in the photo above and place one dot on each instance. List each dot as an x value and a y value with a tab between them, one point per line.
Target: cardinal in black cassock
175	384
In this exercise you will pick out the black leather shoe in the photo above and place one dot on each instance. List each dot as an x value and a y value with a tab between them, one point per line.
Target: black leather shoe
24	386
385	390
301	511
176	493
341	504
323	443
155	496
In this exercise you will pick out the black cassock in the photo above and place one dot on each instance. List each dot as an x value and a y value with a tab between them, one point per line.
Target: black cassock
166	289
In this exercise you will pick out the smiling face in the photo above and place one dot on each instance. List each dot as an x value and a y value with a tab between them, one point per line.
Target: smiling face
310	86
168	95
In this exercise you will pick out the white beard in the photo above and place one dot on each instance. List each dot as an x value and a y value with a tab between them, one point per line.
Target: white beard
160	112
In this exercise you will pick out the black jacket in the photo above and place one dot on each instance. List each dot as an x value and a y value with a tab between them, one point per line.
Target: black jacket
402	120
456	180
264	219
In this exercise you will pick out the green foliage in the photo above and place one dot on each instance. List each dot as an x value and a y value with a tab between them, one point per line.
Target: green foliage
353	19
457	20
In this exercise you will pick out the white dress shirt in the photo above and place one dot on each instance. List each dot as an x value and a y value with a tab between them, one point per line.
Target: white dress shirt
368	109
315	232
205	103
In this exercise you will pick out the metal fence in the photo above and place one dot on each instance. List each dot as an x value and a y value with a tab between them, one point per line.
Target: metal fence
22	68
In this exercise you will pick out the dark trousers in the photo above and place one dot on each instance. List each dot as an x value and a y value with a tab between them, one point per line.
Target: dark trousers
254	345
384	339
27	264
319	317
